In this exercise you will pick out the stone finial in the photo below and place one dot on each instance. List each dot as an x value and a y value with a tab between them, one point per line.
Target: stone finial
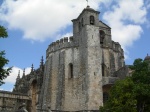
24	72
42	61
18	77
42	64
147	54
32	68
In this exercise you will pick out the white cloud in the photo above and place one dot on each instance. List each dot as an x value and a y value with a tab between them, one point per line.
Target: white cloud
1	89
40	19
125	19
14	73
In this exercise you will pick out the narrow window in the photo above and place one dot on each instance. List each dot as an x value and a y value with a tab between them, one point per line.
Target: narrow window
103	69
70	70
82	22
92	20
102	36
79	26
105	97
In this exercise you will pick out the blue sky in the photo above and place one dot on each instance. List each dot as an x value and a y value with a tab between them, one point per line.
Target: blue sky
33	24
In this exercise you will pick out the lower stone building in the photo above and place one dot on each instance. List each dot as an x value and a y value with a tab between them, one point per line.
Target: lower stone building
11	101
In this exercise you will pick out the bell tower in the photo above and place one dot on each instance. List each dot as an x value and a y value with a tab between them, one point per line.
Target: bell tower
87	17
86	32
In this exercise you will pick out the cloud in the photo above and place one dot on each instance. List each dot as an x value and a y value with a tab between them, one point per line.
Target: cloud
1	89
125	19
40	19
14	73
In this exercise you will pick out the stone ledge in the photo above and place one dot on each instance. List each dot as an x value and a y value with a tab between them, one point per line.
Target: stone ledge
109	80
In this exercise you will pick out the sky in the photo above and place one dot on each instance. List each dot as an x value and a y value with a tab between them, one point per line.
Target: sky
33	24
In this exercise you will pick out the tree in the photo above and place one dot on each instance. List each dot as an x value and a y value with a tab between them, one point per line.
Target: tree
4	72
121	98
141	79
3	32
131	94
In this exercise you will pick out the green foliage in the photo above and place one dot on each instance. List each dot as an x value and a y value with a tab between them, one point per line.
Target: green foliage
141	79
133	93
3	32
121	99
3	61
3	72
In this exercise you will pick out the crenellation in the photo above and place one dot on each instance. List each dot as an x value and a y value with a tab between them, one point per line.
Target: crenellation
61	41
57	43
116	46
122	52
71	39
65	39
61	44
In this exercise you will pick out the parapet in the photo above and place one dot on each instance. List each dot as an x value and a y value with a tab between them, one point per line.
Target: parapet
116	46
66	42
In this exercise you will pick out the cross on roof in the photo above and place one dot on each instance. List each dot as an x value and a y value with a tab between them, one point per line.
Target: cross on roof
87	2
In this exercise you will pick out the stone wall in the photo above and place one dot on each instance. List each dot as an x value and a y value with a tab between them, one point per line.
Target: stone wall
122	72
10	102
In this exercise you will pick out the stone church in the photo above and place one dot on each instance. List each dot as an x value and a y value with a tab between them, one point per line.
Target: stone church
77	74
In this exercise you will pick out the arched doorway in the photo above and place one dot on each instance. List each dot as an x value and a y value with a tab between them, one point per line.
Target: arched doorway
106	89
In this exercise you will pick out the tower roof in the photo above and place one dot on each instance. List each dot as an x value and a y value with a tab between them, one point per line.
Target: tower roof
89	8
86	9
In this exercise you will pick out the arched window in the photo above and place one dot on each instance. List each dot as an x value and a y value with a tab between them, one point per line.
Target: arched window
102	36
92	20
70	70
105	97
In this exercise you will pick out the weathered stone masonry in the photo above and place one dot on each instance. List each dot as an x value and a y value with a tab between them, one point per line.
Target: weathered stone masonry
82	67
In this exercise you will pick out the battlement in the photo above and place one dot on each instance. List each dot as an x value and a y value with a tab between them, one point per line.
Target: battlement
66	42
117	47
